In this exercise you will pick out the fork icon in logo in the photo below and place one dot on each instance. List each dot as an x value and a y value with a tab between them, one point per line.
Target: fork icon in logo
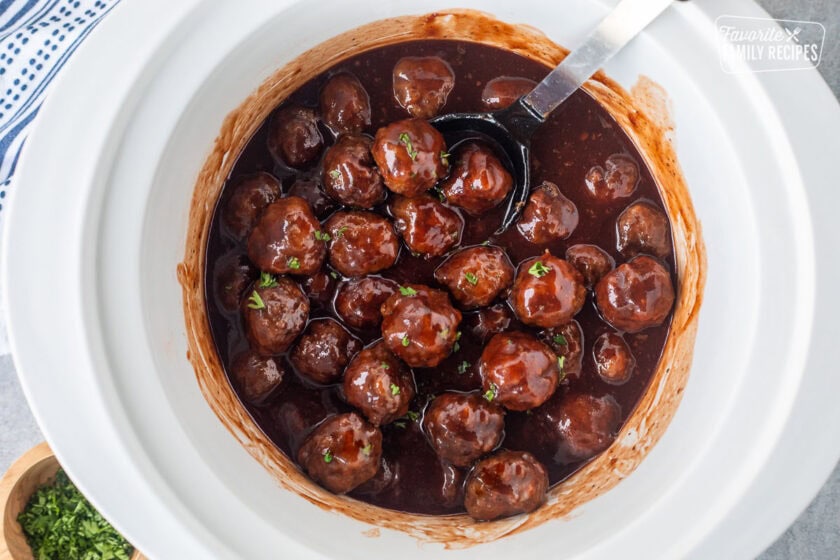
793	35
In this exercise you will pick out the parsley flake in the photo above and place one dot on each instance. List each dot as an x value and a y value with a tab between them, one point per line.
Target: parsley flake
255	301
409	147
408	291
538	269
491	393
395	389
334	275
335	173
444	157
267	280
400	424
561	362
471	278
328	456
293	263
322	235
413	416
384	365
560	340
444	333
405	341
367	449
463	367
339	232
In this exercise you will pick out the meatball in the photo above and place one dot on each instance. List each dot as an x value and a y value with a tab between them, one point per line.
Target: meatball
319	288
614	361
489	321
361	243
420	325
518	371
308	190
591	261
350	174
286	239
478	181
275	312
255	376
476	276
379	385
342	452
618	180
324	351
359	302
504	484
463	427
547	291
232	274
567	342
422	84
294	137
427	225
548	216
636	295
501	92
345	105
249	199
411	156
580	425
643	228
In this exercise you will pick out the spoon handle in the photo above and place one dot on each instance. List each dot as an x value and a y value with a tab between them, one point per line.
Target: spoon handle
623	23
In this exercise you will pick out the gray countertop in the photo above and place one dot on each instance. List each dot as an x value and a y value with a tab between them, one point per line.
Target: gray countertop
815	535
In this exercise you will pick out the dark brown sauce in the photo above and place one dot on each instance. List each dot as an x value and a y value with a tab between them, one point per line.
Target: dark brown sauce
572	141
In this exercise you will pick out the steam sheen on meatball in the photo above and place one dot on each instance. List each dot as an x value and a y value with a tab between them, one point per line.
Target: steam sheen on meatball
342	452
256	376
359	301
251	195
478	181
504	484
476	276
463	427
501	92
324	351
618	180
420	325
350	174
422	84
275	312
643	228
518	371
411	155
345	105
285	240
591	261
547	291
636	295
361	243
294	137
427	226
614	361
548	216
379	385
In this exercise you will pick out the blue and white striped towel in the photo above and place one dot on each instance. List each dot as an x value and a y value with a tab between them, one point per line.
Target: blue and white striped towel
36	39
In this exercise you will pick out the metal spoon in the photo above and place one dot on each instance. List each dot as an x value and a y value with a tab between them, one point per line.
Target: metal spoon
510	129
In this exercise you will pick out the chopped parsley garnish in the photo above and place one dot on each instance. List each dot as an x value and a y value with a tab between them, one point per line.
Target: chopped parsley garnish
335	173
444	157
471	278
538	269
384	365
444	333
293	263
560	340
255	301
267	280
58	522
322	236
561	361
492	392
395	389
413	416
463	367
367	449
328	456
485	243
457	345
405	341
400	424
408	291
334	275
339	232
439	193
409	147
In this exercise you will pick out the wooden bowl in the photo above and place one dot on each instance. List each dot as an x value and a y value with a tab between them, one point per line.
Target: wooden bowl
33	469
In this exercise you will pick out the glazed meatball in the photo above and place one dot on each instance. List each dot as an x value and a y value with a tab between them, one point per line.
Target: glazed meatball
285	239
379	385
324	351
463	427
581	425
478	181
643	228
636	295
359	302
591	261
427	226
567	342
248	201
275	313
618	180
411	156
255	376
489	321
614	361
361	243
350	174
345	105
319	288
420	325
422	84
294	137
548	216
232	274
547	291
308	190
476	276
504	484
501	92
518	371
342	452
